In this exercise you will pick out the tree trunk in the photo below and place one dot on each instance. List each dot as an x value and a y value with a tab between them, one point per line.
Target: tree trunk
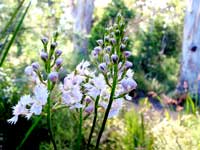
83	12
190	65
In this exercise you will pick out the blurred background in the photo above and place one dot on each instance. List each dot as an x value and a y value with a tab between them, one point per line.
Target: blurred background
154	28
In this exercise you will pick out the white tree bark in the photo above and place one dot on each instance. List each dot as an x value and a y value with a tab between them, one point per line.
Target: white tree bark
190	65
82	12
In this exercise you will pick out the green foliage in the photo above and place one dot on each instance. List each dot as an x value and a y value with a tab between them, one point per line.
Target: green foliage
108	18
157	55
136	135
8	93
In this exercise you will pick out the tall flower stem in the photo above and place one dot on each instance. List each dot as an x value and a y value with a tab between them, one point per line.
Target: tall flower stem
94	121
49	106
80	129
29	132
114	84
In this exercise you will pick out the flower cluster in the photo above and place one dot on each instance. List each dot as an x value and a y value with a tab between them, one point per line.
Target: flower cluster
28	105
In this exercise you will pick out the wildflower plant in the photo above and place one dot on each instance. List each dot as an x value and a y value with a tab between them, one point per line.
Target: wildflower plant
87	89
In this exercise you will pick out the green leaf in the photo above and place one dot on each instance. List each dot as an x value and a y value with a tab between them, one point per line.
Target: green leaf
14	35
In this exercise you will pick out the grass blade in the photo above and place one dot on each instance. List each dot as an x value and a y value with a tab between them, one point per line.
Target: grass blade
14	35
11	19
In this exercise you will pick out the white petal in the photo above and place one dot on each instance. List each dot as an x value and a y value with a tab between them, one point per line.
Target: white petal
13	120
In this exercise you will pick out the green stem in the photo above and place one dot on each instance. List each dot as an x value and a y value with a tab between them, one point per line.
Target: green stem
49	105
29	132
94	121
114	84
80	129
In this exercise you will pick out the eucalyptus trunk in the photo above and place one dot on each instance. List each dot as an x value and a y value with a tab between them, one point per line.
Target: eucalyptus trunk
190	65
82	12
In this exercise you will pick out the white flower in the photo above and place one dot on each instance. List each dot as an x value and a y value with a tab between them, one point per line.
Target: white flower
82	68
41	94
29	70
128	84
36	108
96	86
116	107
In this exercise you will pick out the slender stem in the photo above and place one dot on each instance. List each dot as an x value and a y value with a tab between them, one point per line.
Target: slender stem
80	129
29	132
94	121
109	105
49	106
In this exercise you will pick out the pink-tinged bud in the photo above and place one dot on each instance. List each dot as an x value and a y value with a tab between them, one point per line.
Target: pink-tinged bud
113	41
128	84
53	77
45	40
58	52
128	64
44	56
127	54
35	66
103	67
100	42
114	58
59	62
89	109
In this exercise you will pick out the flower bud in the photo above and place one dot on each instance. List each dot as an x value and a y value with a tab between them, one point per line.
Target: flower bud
103	67
122	47
53	77
113	41
100	42
108	48
58	52
35	66
44	56
106	38
114	58
45	40
107	58
128	64
125	39
53	45
88	100
128	84
59	62
97	49
28	70
89	109
94	54
127	54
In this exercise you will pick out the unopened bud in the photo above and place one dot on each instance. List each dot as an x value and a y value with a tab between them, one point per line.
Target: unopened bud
114	58
106	38
44	56
128	64
125	39
89	109
100	42
113	41
103	67
88	100
58	52
53	77
97	49
122	47
59	62
53	45
108	48
45	40
35	66
127	54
